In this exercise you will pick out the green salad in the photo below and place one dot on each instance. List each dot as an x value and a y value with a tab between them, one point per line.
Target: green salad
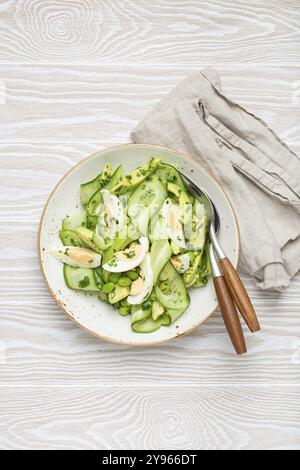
139	242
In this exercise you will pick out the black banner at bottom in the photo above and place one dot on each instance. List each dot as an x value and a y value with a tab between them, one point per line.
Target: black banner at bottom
129	459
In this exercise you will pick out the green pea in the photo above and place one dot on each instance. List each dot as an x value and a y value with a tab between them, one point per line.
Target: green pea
125	281
108	287
105	275
124	303
133	275
114	277
102	296
124	311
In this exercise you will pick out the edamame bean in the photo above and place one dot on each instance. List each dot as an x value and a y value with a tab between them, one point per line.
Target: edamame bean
108	287
114	277
125	281
124	311
102	296
133	275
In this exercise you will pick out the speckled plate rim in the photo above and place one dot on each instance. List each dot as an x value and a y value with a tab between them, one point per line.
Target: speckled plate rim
183	156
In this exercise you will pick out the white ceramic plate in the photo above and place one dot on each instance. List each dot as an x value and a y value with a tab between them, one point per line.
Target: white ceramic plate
85	309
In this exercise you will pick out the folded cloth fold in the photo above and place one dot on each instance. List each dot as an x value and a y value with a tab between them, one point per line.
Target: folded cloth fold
258	171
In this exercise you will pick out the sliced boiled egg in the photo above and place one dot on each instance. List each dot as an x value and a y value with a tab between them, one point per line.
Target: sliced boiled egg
142	287
181	262
111	213
171	214
78	257
130	258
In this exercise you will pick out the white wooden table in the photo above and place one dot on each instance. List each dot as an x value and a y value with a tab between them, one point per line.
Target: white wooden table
76	77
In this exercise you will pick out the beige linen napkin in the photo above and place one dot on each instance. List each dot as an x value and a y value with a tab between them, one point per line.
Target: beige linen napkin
258	171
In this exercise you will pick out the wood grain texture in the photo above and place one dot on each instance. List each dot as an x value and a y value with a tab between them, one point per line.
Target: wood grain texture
239	295
174	32
89	103
36	167
231	418
230	316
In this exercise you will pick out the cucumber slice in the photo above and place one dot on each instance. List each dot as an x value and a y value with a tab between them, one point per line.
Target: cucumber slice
139	314
147	326
88	189
170	290
70	238
96	198
167	173
158	229
160	254
94	203
165	319
173	314
145	201
80	278
102	243
91	221
71	222
115	179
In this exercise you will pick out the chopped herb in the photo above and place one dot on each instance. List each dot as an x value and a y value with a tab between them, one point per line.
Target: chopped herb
84	282
129	254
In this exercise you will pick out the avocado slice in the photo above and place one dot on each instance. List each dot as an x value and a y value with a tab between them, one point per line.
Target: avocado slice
180	193
131	181
191	274
157	310
101	242
175	248
184	200
118	245
119	293
96	200
197	233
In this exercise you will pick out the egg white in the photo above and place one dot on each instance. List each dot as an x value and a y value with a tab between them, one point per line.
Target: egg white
147	275
111	214
121	263
171	216
184	260
62	255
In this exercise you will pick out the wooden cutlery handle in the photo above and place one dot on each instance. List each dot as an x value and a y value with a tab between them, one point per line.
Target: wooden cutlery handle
239	295
230	316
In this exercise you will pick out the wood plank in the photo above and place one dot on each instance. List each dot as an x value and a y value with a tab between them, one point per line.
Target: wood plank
76	77
207	418
177	32
88	103
35	168
41	346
